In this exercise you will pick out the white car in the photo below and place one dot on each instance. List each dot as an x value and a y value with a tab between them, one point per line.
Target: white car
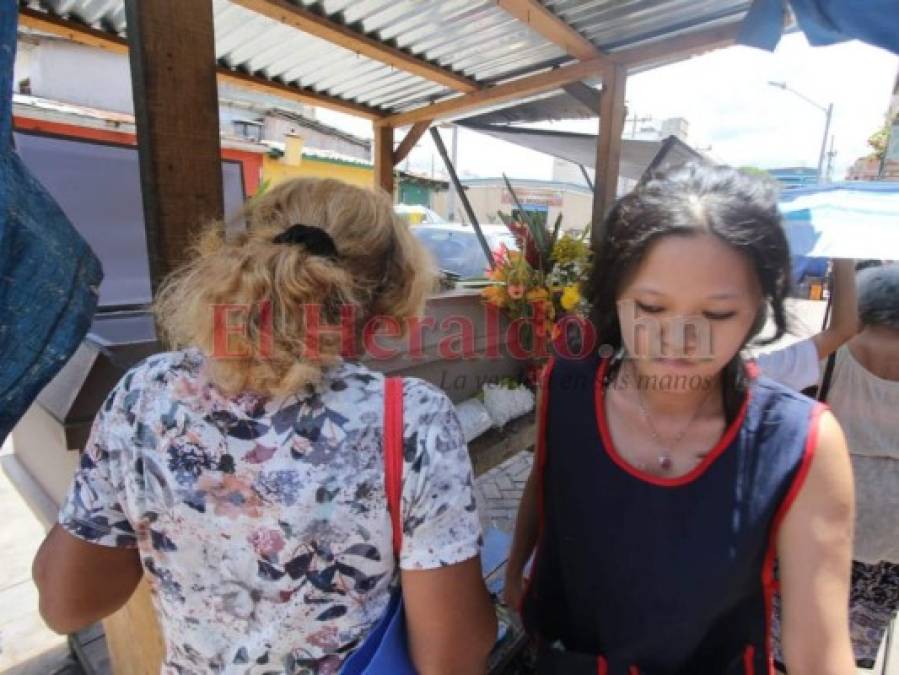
456	247
416	214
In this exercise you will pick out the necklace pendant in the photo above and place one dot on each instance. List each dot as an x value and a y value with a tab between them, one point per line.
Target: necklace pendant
665	462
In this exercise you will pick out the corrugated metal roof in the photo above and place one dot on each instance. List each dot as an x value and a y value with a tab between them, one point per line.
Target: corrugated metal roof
615	24
474	38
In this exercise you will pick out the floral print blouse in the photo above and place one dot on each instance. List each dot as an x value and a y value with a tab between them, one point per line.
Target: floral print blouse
262	523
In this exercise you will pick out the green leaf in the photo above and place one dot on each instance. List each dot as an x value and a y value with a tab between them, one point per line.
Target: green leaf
552	244
537	232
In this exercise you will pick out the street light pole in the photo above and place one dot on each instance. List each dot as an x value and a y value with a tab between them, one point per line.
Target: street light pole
828	113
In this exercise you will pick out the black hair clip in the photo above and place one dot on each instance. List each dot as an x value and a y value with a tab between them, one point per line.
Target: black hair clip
314	239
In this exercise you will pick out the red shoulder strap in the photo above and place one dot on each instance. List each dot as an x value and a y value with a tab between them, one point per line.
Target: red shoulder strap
393	456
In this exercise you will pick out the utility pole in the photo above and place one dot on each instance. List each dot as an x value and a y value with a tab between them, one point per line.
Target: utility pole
830	155
635	120
828	114
454	158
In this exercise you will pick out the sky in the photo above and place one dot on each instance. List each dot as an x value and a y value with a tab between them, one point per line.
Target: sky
731	110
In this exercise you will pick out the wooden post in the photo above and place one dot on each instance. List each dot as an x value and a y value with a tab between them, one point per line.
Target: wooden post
173	74
608	145
384	158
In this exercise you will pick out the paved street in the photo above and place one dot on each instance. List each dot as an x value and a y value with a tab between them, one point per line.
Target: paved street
499	491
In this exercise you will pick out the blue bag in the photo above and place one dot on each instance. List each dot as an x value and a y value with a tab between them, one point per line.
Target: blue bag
386	649
49	277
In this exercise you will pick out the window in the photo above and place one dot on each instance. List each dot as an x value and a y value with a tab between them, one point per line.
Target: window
250	130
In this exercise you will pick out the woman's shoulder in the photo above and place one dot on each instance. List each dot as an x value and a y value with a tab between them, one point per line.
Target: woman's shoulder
156	366
156	369
418	394
761	384
421	392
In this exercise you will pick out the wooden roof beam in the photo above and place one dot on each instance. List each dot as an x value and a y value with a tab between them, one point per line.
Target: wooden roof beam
409	140
500	93
71	31
91	37
297	16
666	50
553	28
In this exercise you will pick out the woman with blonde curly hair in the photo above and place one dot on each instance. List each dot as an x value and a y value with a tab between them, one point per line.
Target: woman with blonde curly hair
244	472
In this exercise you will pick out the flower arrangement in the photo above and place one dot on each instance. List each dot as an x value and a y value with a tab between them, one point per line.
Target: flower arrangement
520	291
515	278
540	281
571	256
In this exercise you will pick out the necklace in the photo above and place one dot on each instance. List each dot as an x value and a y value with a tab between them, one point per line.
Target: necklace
664	459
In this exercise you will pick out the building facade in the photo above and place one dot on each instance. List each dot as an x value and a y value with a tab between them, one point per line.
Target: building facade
542	199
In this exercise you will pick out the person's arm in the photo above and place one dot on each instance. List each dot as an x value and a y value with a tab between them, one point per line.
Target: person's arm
844	310
523	543
450	618
814	548
88	566
80	583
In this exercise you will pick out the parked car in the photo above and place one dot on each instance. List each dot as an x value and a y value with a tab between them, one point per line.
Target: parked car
456	248
416	214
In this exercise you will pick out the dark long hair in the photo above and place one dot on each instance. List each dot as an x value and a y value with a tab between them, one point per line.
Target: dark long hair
696	198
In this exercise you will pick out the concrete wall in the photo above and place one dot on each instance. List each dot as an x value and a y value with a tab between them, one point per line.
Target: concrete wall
81	75
568	172
22	66
459	378
275	170
576	207
40	447
277	128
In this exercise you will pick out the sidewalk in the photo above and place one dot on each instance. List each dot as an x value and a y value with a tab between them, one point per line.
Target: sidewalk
27	646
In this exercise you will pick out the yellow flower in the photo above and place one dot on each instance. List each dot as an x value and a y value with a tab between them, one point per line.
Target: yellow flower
538	293
570	250
571	297
495	295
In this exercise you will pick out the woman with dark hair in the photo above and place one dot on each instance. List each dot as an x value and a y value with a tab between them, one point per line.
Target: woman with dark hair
669	477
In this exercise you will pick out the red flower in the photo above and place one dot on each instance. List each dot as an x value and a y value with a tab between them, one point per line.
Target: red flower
515	291
501	255
526	242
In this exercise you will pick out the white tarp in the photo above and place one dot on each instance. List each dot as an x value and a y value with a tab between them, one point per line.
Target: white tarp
843	220
636	155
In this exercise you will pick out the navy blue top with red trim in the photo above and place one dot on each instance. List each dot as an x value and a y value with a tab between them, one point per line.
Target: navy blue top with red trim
640	574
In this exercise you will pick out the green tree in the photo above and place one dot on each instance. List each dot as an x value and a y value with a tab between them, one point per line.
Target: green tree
755	171
879	140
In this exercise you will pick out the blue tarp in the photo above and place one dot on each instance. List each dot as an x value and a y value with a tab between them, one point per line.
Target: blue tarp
49	277
843	220
824	22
